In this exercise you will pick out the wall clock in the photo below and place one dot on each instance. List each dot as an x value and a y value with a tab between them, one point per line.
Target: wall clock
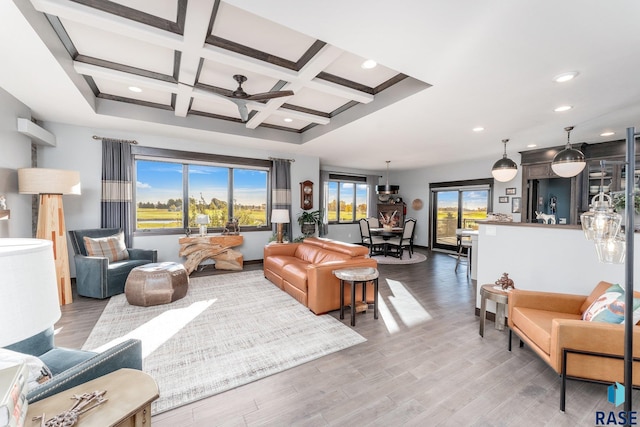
306	195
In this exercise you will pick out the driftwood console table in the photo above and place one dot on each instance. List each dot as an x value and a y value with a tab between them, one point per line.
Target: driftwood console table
218	248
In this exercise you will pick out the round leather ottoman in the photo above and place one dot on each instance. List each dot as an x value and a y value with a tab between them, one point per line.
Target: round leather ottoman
156	283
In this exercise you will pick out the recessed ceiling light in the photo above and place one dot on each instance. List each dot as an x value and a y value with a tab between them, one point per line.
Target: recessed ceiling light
478	129
135	89
609	133
532	145
563	108
369	64
565	77
288	119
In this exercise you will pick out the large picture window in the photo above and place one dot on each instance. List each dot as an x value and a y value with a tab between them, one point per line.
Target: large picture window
221	187
347	198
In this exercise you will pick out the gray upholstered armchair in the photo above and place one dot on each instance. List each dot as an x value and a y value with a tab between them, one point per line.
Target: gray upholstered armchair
96	277
70	368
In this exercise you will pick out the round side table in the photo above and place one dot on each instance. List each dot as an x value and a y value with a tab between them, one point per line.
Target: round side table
500	297
357	275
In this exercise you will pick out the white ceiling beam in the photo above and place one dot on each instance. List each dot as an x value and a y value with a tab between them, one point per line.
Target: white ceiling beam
195	31
124	77
86	15
315	65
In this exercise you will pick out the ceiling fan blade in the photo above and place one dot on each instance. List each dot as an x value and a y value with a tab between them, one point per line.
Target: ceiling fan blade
242	108
269	95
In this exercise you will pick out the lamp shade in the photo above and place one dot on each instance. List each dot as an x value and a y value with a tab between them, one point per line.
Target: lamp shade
280	216
48	181
202	219
28	289
504	170
568	163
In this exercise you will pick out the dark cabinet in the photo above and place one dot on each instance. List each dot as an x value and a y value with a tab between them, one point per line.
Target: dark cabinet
572	195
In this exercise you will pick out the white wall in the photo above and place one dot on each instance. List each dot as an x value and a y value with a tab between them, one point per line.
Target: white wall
545	258
16	153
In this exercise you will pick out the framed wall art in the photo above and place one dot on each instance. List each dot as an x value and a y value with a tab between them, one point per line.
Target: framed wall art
511	191
515	205
503	199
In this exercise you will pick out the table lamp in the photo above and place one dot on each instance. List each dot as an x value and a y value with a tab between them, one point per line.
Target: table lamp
203	221
29	291
51	184
280	216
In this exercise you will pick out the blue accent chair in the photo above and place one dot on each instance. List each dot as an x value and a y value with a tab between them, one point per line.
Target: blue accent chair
74	367
96	277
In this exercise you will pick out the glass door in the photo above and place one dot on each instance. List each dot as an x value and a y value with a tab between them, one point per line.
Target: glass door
446	215
456	208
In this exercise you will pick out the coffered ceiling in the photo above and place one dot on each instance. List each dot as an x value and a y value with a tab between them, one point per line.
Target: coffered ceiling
444	68
182	56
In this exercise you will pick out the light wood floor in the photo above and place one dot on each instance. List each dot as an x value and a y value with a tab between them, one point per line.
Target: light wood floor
423	364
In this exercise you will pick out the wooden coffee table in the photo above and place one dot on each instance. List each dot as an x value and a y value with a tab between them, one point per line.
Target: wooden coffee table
129	393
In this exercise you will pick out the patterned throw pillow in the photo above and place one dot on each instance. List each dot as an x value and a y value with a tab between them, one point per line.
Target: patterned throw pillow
111	247
609	307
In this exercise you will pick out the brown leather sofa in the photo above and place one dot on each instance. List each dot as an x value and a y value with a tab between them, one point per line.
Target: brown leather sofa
305	270
552	322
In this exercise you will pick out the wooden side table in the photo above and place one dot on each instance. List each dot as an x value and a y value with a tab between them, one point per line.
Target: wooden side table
197	249
501	298
129	393
357	275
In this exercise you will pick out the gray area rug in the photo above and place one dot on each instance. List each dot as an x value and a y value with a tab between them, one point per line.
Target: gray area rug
415	258
229	330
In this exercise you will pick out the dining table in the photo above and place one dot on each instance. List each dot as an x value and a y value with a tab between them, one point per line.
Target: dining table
386	234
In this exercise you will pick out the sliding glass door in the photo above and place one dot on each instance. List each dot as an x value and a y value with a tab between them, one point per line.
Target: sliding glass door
454	207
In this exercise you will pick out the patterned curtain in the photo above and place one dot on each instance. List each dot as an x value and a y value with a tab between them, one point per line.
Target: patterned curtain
117	187
372	183
281	192
324	194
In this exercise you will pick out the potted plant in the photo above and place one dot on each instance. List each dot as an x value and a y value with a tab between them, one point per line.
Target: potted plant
308	221
618	201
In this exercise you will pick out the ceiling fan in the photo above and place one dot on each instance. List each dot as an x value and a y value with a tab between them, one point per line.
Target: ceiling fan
240	97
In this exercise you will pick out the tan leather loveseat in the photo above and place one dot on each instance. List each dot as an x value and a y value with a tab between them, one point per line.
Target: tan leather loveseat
550	322
305	270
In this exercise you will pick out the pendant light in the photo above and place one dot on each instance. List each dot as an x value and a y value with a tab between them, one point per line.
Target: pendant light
387	190
504	169
569	162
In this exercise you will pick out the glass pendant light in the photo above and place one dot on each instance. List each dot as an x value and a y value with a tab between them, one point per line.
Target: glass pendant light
569	162
504	169
612	250
601	223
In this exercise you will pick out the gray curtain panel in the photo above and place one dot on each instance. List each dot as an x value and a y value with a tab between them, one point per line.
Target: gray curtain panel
324	194
281	192
117	189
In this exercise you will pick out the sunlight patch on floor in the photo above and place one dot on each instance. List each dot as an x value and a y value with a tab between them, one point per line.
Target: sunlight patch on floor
160	329
403	308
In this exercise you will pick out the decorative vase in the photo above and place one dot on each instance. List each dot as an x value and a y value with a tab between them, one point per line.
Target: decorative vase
387	227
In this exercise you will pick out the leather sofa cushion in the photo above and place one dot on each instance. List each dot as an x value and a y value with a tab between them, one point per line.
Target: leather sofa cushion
275	263
350	249
316	255
536	324
296	274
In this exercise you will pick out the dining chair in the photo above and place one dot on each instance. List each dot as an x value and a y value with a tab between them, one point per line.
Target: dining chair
372	242
373	222
405	240
464	247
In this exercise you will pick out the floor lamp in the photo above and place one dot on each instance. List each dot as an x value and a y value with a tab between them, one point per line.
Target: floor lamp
51	185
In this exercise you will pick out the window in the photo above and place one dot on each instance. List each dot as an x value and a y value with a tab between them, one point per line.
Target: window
347	198
222	187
